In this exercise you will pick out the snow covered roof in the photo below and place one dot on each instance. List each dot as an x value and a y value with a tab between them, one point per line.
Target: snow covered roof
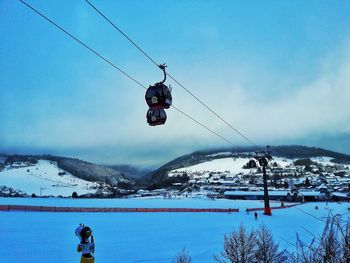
255	193
271	193
343	195
309	193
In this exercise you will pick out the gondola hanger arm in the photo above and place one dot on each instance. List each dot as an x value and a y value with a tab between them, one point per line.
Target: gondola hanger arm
162	67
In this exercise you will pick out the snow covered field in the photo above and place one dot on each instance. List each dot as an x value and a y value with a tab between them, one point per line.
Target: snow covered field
145	237
43	178
139	237
135	202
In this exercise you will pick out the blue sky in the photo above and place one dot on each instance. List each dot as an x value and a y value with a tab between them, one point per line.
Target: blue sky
279	71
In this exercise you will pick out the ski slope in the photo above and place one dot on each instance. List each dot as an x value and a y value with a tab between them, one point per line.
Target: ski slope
232	165
43	178
147	237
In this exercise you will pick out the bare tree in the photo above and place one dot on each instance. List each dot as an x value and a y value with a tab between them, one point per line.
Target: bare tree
332	246
242	246
345	232
266	248
239	246
182	257
306	252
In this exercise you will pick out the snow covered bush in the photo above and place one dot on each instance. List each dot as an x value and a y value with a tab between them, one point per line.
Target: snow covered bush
242	246
239	246
182	257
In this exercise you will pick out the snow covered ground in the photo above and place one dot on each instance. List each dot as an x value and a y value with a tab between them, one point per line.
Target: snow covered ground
138	202
145	237
43	177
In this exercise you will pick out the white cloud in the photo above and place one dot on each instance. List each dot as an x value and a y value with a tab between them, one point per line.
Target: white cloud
320	106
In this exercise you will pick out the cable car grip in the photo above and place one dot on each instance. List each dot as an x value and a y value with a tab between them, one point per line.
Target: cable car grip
162	67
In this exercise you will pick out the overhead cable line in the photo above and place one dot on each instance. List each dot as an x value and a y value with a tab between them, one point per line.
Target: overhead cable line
121	32
212	111
82	43
117	68
188	116
309	214
155	63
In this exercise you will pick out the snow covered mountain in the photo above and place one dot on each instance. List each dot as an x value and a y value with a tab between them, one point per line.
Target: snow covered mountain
231	161
56	176
88	171
42	178
235	166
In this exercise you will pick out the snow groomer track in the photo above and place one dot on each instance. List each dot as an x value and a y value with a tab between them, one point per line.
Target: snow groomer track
29	208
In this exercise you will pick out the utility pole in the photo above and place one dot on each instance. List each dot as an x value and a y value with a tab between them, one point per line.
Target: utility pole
267	209
41	190
263	158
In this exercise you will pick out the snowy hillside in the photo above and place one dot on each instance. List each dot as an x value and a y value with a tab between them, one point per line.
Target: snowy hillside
235	165
231	165
232	174
290	152
43	178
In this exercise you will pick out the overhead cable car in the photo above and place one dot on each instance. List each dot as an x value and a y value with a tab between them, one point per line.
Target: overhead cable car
261	157
158	98
159	95
156	117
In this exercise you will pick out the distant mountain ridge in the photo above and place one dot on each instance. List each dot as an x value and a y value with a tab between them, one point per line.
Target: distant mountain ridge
129	171
288	151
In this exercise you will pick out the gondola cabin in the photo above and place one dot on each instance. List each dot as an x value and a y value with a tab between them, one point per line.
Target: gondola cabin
158	96
156	117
